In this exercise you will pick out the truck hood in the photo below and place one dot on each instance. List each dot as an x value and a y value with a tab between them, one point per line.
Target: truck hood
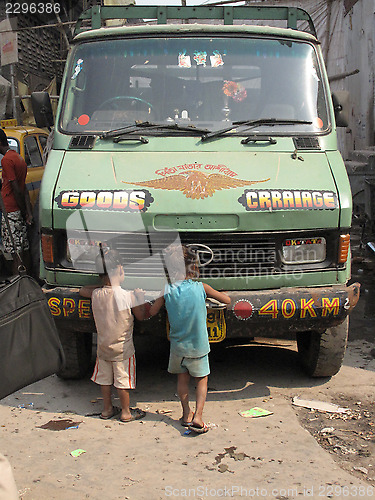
197	191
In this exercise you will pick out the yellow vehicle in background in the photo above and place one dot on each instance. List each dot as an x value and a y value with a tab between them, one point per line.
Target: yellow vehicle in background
29	142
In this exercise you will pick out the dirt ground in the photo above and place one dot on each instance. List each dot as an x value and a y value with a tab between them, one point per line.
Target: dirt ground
348	437
281	456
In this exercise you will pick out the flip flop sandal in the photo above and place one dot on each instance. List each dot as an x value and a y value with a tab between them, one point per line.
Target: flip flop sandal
136	414
184	423
199	429
116	410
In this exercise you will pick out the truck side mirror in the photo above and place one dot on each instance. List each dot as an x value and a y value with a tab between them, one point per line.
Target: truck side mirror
42	109
340	100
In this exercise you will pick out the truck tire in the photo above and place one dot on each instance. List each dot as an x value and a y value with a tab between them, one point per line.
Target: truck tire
77	348
321	354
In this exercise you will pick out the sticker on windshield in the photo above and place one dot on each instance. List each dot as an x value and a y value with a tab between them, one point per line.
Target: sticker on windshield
184	61
216	59
77	69
200	57
318	122
83	119
128	201
283	199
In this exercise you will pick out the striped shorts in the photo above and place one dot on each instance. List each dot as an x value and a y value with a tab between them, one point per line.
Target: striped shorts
121	374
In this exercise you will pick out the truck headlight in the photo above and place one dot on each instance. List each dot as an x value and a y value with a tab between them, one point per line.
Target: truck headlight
81	253
304	250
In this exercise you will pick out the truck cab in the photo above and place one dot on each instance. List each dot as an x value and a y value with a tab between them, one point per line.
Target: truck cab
219	136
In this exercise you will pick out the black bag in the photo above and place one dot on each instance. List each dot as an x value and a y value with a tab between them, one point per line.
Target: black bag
30	347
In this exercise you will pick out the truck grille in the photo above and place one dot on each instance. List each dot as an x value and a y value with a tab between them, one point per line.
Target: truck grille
235	254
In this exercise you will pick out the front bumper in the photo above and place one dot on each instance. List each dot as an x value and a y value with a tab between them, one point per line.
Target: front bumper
266	313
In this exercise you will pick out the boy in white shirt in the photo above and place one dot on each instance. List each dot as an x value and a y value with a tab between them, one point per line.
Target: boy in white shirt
113	309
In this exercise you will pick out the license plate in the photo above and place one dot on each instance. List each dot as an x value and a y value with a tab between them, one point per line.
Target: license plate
216	326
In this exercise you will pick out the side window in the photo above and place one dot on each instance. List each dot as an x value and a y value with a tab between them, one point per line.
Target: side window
33	157
43	145
43	141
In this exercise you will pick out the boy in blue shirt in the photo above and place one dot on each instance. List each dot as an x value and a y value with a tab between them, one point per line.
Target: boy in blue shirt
185	301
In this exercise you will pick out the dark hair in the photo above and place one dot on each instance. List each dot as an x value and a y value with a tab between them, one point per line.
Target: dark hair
107	262
181	262
3	138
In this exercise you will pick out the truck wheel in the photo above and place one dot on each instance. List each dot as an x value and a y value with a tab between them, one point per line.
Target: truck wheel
77	348
321	354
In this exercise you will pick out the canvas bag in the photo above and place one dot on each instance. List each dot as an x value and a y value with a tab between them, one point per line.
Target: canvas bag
30	347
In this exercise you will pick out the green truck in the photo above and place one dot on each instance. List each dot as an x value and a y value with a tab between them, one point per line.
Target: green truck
214	132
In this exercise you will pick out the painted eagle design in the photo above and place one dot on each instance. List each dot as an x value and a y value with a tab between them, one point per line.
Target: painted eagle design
195	185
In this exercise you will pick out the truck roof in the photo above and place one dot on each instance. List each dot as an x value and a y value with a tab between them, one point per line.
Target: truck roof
181	29
217	19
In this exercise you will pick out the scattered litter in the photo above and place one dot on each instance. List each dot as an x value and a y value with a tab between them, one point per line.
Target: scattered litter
77	453
60	425
28	405
163	412
255	412
327	430
344	450
361	469
211	425
318	405
186	433
23	492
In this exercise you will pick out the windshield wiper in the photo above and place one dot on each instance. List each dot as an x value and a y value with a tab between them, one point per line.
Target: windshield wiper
150	125
253	123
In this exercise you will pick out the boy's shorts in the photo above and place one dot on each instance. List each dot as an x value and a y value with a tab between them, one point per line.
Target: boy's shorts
121	374
197	367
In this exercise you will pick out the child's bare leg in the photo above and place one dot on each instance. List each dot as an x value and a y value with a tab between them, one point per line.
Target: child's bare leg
123	394
201	395
183	380
107	400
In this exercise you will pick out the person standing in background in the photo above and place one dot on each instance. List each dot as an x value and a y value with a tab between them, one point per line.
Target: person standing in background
16	203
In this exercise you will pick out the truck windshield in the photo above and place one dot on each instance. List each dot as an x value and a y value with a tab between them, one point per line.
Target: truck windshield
207	82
